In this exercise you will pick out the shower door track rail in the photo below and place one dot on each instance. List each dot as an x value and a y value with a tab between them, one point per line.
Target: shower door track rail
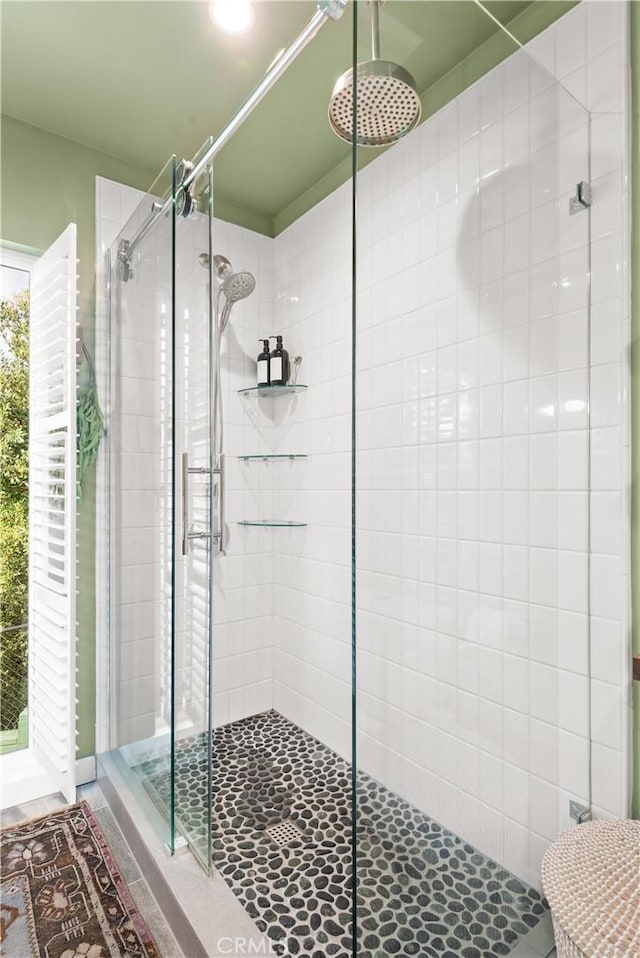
326	10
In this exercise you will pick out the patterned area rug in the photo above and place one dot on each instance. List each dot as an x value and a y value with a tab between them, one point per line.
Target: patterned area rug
62	895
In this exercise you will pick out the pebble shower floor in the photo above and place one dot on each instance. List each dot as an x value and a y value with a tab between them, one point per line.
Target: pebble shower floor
421	890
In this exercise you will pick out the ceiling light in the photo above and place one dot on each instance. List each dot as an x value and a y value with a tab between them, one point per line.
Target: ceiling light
232	16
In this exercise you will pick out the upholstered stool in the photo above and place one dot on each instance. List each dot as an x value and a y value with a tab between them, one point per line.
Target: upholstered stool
591	879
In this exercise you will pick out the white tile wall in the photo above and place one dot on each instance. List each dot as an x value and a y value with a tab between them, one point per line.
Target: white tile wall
493	457
481	552
139	435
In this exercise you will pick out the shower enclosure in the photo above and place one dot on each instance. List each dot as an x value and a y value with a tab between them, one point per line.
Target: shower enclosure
369	711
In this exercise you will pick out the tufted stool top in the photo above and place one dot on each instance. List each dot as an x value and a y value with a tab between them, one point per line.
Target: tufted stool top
591	879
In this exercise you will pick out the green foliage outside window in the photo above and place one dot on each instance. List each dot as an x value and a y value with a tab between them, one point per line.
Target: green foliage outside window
14	505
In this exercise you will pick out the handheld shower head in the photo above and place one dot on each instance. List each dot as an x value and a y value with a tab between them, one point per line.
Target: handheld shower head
235	286
238	286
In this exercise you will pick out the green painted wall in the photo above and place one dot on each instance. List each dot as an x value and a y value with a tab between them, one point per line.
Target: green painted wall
635	387
47	182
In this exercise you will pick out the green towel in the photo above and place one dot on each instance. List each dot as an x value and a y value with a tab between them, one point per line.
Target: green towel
90	420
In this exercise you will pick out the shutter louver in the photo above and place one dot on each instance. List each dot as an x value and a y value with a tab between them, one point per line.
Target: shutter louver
52	511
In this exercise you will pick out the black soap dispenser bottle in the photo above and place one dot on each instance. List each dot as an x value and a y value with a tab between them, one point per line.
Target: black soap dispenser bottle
280	368
264	364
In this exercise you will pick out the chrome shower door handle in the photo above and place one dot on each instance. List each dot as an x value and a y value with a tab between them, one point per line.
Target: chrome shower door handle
221	534
187	533
185	503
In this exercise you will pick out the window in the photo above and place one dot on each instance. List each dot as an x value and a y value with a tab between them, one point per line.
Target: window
38	440
15	277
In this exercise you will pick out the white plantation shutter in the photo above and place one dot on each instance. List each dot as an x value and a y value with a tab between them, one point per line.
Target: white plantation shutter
52	511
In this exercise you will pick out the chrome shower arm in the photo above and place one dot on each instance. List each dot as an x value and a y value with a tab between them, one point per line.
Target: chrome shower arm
375	29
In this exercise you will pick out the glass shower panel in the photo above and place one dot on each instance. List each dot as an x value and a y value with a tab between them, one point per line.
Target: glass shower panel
281	743
161	493
193	517
140	430
472	565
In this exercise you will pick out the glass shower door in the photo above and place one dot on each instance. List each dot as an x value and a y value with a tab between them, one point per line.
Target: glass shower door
195	490
472	725
140	430
160	506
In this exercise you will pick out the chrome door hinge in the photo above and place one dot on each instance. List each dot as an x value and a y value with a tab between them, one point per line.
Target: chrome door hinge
125	272
582	199
332	9
579	813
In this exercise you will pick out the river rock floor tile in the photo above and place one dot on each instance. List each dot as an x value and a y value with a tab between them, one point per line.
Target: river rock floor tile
421	890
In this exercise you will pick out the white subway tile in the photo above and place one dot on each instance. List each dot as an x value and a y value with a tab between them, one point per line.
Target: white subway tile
544	693
606	395
544	751
544	808
543	634
573	702
543	521
515	462
607	781
573	521
573	641
605	74
543	404
573	764
606	522
571	42
607	650
607	714
606	332
516	405
604	24
606	460
606	255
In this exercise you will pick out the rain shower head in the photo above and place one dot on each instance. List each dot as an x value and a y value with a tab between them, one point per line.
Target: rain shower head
388	105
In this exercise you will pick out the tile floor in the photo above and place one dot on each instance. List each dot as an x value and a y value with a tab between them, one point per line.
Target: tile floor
537	944
422	890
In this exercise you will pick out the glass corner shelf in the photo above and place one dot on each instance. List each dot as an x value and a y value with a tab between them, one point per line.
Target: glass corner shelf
271	457
272	523
273	390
